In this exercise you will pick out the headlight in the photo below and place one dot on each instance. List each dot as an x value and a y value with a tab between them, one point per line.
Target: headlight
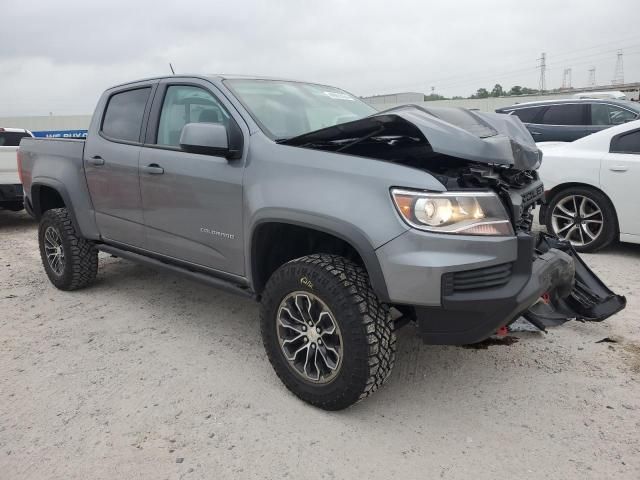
466	213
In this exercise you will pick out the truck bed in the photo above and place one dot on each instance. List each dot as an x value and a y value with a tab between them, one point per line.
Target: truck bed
55	153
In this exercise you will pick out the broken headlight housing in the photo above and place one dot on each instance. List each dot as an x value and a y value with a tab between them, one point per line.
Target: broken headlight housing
462	212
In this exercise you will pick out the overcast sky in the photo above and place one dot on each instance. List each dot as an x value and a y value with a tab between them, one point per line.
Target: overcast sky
59	56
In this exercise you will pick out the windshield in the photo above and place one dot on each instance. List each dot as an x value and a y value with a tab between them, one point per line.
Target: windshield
288	109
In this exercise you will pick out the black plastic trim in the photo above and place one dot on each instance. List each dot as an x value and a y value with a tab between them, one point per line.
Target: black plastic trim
217	282
471	316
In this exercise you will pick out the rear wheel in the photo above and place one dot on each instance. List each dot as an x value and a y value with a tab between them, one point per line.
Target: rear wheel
583	216
71	262
327	336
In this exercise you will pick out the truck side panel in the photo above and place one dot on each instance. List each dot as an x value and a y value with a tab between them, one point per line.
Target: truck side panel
58	164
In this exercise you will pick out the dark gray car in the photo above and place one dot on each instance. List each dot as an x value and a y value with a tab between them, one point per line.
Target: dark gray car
345	223
571	119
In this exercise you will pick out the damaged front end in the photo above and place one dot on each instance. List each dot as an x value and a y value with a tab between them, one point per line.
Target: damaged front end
583	297
548	283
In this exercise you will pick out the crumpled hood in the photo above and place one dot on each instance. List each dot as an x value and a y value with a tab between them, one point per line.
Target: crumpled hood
490	138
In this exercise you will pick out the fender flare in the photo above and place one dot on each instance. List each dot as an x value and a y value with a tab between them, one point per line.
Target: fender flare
58	186
332	226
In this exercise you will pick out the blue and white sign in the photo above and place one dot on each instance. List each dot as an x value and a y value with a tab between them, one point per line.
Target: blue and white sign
60	134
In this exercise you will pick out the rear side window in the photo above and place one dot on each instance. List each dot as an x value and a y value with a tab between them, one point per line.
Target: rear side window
527	115
124	114
569	114
11	139
626	143
604	114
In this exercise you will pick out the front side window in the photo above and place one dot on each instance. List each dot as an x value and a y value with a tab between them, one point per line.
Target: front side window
124	114
604	114
569	114
626	143
12	139
187	104
285	109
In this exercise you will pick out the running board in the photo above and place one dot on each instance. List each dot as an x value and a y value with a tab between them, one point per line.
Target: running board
190	274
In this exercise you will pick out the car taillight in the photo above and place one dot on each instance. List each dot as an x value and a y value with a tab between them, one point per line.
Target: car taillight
19	160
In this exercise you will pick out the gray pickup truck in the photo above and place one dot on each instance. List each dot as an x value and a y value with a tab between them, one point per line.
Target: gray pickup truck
344	222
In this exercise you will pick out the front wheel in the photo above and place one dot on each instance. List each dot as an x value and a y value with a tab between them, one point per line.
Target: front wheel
71	262
327	336
583	216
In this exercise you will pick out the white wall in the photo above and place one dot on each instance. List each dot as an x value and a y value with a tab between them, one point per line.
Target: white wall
48	122
487	104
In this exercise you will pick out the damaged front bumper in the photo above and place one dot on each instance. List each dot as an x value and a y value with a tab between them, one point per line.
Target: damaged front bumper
553	288
587	300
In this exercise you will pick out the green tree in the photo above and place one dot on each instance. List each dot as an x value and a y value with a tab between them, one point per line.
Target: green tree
481	93
497	90
515	90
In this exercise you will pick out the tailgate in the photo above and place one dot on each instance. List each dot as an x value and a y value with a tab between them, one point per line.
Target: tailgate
8	166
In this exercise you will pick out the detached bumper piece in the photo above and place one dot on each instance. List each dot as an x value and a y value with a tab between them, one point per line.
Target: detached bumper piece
548	284
589	299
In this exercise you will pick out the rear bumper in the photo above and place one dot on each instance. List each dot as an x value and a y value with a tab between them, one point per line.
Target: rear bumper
469	317
11	193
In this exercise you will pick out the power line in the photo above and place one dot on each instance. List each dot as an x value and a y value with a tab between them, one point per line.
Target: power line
542	84
618	75
555	56
592	77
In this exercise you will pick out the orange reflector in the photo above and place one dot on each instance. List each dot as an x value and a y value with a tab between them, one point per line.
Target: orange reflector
404	203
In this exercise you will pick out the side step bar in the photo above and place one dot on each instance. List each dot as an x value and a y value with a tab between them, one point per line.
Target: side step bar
185	272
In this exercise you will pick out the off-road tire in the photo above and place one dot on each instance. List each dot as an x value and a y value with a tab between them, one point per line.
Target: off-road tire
365	324
81	257
610	223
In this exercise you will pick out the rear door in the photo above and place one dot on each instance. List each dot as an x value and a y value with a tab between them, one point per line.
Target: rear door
564	122
111	159
620	177
192	202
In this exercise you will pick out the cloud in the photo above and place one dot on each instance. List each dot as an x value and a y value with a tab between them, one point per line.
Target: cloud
58	56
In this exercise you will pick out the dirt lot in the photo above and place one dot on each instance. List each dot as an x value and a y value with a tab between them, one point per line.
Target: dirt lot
152	376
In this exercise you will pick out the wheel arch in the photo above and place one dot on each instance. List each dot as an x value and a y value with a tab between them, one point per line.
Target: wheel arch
342	233
549	194
47	193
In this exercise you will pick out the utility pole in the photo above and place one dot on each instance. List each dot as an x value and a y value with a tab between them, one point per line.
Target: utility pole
618	75
592	77
542	86
566	78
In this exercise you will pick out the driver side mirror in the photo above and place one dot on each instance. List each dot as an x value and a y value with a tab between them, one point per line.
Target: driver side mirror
205	139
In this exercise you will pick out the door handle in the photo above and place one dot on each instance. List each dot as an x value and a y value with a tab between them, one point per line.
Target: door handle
153	169
96	160
619	168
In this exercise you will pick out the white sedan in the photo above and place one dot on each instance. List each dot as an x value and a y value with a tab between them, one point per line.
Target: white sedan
592	187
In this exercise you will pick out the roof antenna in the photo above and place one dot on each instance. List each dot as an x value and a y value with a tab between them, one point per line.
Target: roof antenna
171	67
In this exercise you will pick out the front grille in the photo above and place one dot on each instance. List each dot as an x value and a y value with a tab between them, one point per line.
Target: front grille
481	278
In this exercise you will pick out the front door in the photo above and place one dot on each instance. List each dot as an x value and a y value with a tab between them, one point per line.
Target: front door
111	165
192	202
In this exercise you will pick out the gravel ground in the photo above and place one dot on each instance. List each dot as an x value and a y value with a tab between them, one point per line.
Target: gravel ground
145	375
